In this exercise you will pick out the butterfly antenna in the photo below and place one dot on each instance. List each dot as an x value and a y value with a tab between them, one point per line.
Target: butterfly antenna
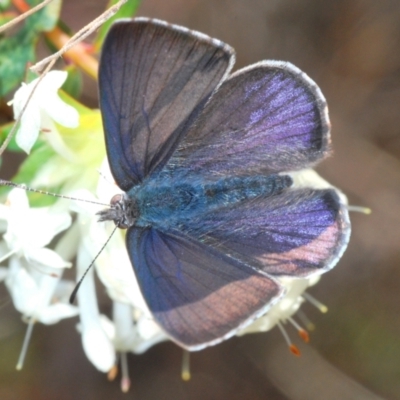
75	291
28	189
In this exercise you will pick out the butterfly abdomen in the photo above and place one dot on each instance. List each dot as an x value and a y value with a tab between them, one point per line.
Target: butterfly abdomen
168	206
229	191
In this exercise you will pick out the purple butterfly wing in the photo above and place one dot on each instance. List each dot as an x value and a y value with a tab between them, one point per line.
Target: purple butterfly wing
296	233
266	118
154	78
198	295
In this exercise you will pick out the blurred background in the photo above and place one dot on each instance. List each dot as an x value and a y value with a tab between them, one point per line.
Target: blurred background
351	48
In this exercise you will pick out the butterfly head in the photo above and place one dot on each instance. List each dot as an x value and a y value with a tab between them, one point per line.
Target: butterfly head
124	211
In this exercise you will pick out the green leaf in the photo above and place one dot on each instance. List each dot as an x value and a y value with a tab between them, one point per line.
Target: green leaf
4	4
73	84
15	53
46	18
18	50
128	10
65	28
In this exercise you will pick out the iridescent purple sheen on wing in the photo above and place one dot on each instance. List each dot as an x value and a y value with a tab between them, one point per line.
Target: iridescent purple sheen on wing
269	117
198	295
298	232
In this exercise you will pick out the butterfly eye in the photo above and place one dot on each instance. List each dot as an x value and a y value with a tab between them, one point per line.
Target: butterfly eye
116	199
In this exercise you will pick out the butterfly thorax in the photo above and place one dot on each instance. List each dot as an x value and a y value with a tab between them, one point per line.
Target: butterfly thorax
169	204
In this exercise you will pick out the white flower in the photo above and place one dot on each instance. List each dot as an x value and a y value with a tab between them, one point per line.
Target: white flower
33	276
96	343
135	333
44	106
133	327
310	178
29	230
38	292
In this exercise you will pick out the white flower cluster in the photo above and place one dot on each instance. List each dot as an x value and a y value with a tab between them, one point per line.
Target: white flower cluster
33	272
132	328
44	107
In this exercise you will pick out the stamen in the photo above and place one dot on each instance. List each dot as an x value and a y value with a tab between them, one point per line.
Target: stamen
27	339
310	326
292	347
125	380
112	373
360	209
301	331
24	15
316	303
185	373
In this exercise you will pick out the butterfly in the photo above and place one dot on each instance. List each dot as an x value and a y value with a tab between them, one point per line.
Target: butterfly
200	154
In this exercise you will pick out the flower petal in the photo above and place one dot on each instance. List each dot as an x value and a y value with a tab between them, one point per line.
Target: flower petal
22	287
29	127
61	112
20	98
17	201
55	313
44	100
56	141
96	344
52	81
47	257
98	349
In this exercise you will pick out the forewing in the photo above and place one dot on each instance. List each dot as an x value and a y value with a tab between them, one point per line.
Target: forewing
154	78
269	117
198	295
296	233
